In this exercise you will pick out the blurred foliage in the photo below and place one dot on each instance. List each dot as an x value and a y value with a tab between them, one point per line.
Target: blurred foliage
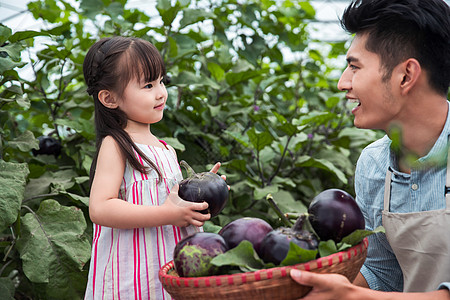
249	88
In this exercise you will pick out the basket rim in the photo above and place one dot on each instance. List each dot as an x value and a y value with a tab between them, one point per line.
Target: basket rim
263	274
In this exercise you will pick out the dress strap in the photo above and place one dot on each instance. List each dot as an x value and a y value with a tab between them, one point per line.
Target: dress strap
165	144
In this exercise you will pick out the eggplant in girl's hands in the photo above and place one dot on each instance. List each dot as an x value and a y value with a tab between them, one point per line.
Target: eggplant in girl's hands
206	186
334	214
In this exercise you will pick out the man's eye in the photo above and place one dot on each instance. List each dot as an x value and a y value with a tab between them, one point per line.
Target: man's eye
353	67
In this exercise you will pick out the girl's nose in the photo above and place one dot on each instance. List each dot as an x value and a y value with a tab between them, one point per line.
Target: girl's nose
345	82
161	92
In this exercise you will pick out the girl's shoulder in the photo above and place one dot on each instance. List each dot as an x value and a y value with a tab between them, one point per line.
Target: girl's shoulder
169	147
109	143
110	147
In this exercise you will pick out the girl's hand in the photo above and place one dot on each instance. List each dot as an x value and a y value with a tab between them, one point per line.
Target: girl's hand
215	168
182	213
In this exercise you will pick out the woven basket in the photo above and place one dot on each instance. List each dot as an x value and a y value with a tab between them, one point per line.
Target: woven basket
274	283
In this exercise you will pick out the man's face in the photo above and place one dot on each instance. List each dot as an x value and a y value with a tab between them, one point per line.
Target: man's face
362	79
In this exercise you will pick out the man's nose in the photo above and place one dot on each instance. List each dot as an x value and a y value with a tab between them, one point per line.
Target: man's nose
345	82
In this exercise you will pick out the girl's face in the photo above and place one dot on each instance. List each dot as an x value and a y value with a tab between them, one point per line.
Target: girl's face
144	102
363	80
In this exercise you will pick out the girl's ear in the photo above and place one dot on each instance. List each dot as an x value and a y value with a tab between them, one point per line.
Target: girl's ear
107	99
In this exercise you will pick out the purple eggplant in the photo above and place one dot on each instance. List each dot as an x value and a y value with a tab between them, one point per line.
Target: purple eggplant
251	229
334	214
206	186
193	254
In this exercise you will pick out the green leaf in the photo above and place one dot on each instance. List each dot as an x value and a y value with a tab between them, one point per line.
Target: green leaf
211	227
298	255
327	248
167	11
234	78
91	8
357	236
191	16
261	193
242	256
242	139
186	78
27	34
7	64
60	180
308	161
13	51
12	187
175	143
76	198
259	140
7	288
25	142
216	71
54	249
5	33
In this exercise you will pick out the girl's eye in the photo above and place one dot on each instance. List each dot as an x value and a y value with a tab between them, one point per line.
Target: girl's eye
148	86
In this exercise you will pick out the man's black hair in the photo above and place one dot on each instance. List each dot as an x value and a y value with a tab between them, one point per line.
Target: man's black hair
402	29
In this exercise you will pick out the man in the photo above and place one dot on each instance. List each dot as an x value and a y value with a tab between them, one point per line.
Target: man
399	72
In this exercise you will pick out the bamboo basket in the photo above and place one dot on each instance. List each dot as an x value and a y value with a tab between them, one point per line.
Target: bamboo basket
274	283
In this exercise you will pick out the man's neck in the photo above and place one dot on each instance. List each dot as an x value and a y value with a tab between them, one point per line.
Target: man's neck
420	129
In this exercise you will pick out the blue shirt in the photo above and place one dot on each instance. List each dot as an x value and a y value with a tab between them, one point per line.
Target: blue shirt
421	190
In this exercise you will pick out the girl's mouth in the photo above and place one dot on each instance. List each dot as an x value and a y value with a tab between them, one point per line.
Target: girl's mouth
160	106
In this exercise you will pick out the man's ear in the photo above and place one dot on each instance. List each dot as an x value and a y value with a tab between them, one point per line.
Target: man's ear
107	99
411	74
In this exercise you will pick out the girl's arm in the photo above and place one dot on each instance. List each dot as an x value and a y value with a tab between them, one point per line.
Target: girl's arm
105	208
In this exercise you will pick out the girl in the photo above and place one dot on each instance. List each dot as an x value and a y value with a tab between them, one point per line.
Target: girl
134	205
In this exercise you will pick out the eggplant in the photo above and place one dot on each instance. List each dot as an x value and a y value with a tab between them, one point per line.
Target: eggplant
193	254
275	245
48	145
205	186
334	214
250	229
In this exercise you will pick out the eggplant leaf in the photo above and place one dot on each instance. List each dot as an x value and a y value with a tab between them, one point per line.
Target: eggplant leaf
327	248
357	236
298	255
242	256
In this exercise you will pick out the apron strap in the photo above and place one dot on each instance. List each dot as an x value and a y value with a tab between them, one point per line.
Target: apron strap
387	190
447	180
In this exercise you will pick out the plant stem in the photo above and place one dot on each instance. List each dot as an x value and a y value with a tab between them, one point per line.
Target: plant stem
189	170
280	214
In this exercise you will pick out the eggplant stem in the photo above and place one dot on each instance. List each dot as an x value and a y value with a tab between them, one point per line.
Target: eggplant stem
278	211
188	168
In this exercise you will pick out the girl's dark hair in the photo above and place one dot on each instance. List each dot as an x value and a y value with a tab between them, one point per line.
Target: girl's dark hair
110	64
402	29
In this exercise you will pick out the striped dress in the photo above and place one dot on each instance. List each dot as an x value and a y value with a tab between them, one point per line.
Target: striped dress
125	262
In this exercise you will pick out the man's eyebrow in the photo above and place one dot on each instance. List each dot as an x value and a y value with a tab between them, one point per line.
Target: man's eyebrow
351	59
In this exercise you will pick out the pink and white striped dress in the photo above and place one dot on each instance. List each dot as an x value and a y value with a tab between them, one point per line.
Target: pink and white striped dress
125	262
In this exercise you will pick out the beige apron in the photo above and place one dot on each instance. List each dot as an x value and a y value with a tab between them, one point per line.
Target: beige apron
420	241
